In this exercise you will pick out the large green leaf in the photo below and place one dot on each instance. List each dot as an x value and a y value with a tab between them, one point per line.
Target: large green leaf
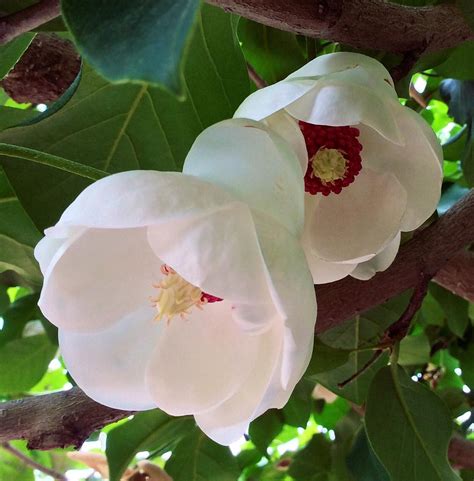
23	362
140	41
12	51
313	463
459	64
148	431
18	235
265	428
12	468
409	428
197	458
125	127
273	54
454	307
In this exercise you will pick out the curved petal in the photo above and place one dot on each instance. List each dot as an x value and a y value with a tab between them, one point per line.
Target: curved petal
265	102
342	61
218	253
141	198
365	270
98	277
229	420
288	128
254	165
45	251
109	365
202	361
341	100
416	164
360	221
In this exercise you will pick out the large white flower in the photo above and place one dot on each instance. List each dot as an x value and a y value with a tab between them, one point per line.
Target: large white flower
172	292
374	166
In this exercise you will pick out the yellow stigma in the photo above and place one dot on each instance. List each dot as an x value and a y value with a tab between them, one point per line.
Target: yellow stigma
175	295
328	164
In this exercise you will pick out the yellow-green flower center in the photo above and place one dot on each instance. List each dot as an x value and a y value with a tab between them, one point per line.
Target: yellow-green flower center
328	164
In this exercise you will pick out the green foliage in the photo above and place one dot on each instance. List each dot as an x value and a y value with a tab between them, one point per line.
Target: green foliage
265	428
455	309
145	42
122	127
411	444
12	51
313	463
197	458
148	431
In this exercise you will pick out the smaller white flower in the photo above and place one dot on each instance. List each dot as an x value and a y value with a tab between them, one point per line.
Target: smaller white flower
172	292
374	167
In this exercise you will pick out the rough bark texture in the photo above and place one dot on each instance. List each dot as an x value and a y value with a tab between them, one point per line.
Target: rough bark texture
56	420
425	254
372	24
458	275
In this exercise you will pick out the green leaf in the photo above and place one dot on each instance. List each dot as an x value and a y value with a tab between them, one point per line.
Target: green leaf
459	65
12	117
362	462
197	458
12	51
273	54
331	413
148	431
125	127
23	363
325	358
414	350
467	9
264	429
313	463
466	363
4	299
16	317
455	399
18	235
455	309
298	408
129	41
431	311
409	428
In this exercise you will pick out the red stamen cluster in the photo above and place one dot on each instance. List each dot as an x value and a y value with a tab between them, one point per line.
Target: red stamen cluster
343	139
209	299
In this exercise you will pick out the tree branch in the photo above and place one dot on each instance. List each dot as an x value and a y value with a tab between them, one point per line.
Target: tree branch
13	25
426	253
371	24
457	276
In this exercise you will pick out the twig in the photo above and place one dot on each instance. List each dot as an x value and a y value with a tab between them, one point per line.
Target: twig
364	368
32	463
13	25
256	79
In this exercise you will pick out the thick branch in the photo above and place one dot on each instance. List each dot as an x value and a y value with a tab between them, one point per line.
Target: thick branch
458	275
54	420
425	254
31	17
371	24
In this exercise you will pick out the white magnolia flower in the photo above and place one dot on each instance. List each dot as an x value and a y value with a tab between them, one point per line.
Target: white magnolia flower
172	292
374	166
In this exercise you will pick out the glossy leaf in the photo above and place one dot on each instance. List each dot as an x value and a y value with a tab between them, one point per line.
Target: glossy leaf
23	362
416	430
455	309
148	431
197	458
414	350
125	127
128	41
265	428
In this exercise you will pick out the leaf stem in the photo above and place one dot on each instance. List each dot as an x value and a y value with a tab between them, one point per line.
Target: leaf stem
50	160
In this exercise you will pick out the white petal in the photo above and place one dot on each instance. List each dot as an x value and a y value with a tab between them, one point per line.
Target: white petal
254	165
140	198
109	366
340	100
201	361
293	293
360	221
218	252
45	251
288	128
265	102
98	278
417	164
365	270
341	61
228	421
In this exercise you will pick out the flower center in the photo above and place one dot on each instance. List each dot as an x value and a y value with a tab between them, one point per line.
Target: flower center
176	296
334	157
